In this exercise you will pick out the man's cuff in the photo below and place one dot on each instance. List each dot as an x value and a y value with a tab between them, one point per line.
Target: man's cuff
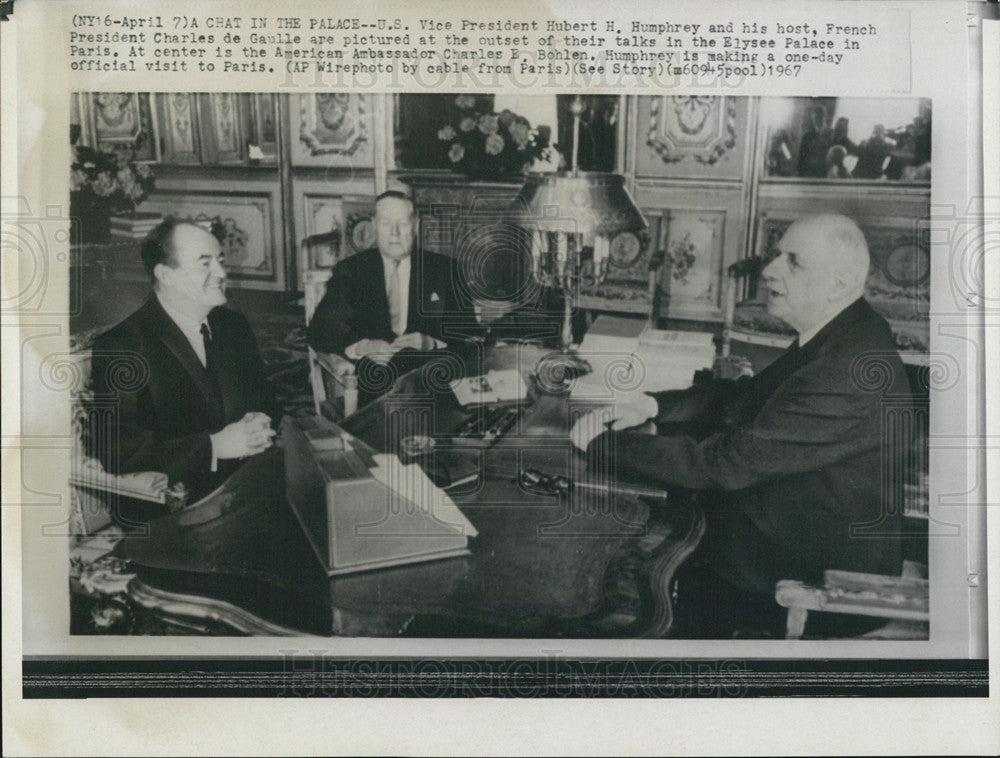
215	461
659	405
353	352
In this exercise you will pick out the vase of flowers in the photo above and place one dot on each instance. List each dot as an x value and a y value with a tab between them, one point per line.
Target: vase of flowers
484	144
106	183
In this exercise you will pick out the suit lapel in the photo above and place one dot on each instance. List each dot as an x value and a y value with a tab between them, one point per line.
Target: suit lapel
226	363
417	277
767	382
374	273
174	340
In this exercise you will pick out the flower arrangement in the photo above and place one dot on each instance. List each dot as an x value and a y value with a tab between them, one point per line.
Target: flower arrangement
104	183
681	256
491	144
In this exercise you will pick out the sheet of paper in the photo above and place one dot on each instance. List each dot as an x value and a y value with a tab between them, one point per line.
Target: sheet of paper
411	483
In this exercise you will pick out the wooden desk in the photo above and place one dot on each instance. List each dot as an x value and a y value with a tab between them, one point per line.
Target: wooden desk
541	566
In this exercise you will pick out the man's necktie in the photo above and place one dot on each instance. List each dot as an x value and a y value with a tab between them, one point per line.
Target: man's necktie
395	300
206	338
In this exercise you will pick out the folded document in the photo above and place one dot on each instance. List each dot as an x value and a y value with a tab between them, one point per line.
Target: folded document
627	361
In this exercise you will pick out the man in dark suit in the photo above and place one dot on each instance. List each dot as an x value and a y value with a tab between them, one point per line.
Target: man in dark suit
790	462
192	399
388	308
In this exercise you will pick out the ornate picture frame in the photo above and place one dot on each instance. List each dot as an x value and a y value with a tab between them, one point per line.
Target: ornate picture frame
695	127
333	122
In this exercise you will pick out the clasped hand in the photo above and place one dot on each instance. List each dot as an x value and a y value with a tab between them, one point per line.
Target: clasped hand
623	415
250	435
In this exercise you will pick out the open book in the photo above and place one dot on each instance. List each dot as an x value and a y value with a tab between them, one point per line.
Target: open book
491	387
628	357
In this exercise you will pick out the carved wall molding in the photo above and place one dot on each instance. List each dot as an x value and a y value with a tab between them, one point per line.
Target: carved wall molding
702	128
333	122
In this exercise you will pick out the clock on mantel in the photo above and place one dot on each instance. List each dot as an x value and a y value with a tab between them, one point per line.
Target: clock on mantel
626	286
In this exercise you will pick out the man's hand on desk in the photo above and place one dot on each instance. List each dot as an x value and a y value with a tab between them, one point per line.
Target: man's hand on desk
250	435
381	351
623	415
417	341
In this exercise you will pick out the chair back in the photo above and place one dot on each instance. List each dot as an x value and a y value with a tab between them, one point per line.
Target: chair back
314	286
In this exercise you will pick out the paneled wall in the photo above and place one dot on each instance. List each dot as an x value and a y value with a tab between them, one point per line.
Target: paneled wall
248	203
691	159
333	142
278	169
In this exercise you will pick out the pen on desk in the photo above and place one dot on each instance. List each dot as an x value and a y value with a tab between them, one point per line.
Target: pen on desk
622	489
535	480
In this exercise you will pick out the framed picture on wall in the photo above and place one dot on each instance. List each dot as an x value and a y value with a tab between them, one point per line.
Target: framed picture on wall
112	120
696	128
333	122
838	138
691	246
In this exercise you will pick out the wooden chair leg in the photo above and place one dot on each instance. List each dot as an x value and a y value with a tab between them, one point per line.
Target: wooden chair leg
795	626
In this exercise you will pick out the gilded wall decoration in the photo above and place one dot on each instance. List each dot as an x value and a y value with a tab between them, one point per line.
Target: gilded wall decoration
333	122
702	128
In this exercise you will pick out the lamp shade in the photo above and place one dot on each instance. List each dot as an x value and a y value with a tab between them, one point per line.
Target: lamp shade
577	202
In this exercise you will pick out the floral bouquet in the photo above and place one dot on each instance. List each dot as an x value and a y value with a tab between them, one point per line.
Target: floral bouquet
105	183
492	144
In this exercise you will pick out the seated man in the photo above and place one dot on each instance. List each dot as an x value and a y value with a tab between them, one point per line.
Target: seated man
791	460
192	399
387	307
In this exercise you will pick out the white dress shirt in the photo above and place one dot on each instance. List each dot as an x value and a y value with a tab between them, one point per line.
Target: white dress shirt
353	351
404	286
190	328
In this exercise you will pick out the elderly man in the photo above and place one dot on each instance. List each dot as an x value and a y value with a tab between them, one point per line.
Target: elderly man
191	394
790	461
387	308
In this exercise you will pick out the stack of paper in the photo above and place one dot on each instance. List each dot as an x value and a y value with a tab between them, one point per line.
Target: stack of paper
413	485
671	358
629	359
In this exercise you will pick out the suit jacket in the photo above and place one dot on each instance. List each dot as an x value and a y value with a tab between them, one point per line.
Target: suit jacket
356	306
168	403
793	458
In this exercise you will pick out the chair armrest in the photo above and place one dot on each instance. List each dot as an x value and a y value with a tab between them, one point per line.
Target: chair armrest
860	594
151	486
335	366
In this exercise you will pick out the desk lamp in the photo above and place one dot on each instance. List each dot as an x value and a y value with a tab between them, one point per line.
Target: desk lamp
575	218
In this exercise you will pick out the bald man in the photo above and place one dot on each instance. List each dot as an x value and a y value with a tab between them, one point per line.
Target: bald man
184	372
788	464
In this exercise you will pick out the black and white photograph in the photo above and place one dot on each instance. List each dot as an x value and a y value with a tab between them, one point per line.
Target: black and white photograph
723	332
618	378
